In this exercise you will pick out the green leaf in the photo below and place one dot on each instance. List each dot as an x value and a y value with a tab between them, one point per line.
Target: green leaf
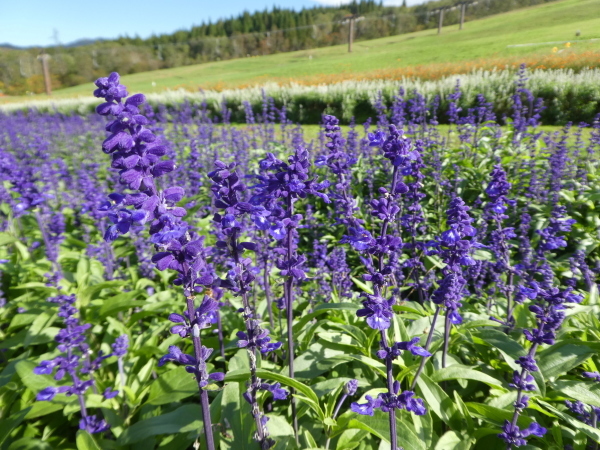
85	295
36	333
465	412
6	238
322	309
495	416
184	419
372	363
39	409
452	441
510	350
237	412
351	439
424	428
21	320
562	357
121	302
278	426
309	440
379	425
83	271
594	433
338	341
172	386
299	387
242	375
593	295
32	381
588	393
317	359
439	402
23	250
28	443
10	423
362	285
458	372
85	441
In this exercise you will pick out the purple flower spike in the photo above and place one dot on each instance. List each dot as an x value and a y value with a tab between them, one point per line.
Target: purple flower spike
47	394
93	424
45	367
109	393
378	311
514	436
278	392
176	355
120	346
523	383
366	409
351	387
593	375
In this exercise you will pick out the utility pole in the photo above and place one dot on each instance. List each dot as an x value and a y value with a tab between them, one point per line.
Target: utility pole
351	19
439	11
350	33
44	57
463	9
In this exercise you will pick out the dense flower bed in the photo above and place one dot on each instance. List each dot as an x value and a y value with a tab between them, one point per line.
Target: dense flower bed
569	96
170	280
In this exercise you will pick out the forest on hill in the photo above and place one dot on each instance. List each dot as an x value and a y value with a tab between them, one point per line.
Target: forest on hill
246	35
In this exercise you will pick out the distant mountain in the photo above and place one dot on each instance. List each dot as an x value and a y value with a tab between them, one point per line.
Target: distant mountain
84	41
77	43
12	47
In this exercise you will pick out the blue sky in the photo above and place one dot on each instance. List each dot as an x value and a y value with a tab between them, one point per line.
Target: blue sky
40	22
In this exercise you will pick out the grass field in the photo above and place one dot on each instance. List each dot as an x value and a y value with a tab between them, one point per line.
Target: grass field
480	40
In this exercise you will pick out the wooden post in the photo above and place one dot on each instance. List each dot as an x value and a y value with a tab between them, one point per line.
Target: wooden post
463	6
350	33
47	82
441	22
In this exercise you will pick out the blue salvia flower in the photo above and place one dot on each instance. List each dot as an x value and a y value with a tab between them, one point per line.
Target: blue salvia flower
119	348
380	262
137	154
550	238
514	436
548	305
497	190
413	220
227	188
277	190
588	414
455	248
592	375
72	343
340	164
453	108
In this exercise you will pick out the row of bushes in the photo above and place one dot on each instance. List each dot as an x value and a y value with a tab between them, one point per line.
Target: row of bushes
568	97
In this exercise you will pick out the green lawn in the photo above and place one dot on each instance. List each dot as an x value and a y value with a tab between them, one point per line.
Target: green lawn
485	38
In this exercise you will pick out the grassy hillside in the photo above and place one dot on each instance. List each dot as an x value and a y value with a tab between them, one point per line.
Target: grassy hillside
483	39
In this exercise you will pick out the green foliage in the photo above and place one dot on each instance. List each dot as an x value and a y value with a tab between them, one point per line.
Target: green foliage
158	407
